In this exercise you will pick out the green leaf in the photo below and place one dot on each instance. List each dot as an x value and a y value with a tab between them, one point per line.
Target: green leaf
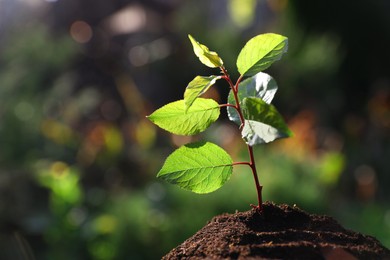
198	86
200	167
175	118
260	52
207	57
263	123
260	85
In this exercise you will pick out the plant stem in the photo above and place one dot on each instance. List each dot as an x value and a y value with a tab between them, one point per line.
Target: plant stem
259	188
228	105
242	163
234	88
252	163
235	92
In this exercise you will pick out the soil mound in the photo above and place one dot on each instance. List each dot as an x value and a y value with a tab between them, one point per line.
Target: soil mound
278	232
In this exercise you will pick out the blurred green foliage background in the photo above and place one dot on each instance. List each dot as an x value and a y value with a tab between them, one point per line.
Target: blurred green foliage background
78	158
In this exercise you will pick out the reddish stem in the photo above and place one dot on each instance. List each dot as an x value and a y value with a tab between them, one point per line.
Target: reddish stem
252	163
227	105
235	93
259	188
234	88
242	163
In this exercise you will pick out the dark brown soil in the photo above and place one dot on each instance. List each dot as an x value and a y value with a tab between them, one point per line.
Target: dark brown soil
278	232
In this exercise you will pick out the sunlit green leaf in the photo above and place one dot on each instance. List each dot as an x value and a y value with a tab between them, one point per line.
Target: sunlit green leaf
198	86
263	123
175	118
260	85
207	57
200	167
260	52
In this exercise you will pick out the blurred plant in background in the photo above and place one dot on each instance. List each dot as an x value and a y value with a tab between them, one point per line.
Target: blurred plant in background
78	158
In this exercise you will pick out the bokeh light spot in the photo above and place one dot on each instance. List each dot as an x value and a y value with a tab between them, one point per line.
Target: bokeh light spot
81	32
366	181
139	56
242	12
24	111
127	20
105	224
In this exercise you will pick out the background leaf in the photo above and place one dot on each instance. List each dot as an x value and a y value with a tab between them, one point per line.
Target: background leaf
263	123
198	86
207	57
260	52
260	85
174	117
200	167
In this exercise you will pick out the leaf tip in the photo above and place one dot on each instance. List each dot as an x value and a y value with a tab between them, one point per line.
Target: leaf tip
192	39
150	117
159	174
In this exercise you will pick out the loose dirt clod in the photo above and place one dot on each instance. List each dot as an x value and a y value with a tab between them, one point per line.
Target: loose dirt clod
278	232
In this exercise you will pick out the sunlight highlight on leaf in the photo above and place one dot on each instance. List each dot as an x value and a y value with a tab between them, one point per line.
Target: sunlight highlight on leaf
260	85
207	57
200	167
198	86
175	118
260	52
263	123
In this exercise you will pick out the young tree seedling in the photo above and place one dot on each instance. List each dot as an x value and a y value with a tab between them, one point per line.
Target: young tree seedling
203	167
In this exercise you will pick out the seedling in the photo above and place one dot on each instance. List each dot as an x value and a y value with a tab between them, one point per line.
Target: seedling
203	167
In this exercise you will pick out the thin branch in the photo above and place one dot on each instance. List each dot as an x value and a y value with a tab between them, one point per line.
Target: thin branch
242	163
227	105
227	77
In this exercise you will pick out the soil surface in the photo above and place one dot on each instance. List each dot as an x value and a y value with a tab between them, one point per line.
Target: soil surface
278	232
